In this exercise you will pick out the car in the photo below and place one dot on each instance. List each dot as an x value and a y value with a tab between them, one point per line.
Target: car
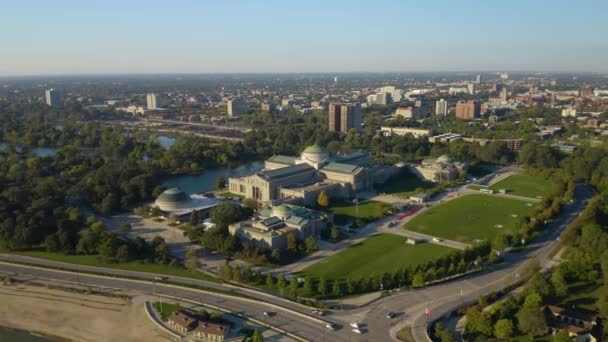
354	325
390	315
330	326
159	278
318	312
357	331
267	313
436	239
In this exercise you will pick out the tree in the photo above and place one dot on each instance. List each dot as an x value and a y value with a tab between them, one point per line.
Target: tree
226	271
334	233
311	244
123	254
227	213
418	280
337	289
269	281
323	199
530	320
236	274
257	336
503	328
562	336
292	243
251	203
443	333
293	287
307	287
220	182
322	286
281	283
192	259
560	287
479	322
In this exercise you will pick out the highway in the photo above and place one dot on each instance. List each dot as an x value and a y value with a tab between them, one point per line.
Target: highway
296	319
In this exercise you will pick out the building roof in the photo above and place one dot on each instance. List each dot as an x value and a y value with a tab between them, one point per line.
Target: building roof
183	319
173	195
316	148
582	314
212	328
282	208
300	221
281	159
341	168
285	172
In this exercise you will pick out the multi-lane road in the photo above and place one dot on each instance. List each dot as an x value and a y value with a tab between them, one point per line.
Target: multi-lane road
409	306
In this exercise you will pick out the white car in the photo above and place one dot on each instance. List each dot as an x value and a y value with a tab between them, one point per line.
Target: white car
357	331
330	326
354	325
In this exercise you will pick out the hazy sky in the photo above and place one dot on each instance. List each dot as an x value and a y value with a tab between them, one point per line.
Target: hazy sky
164	36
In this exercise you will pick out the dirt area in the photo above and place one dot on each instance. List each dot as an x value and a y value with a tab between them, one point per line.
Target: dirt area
74	316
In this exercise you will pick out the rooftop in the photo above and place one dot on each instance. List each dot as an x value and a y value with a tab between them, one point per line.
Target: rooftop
285	171
341	168
281	159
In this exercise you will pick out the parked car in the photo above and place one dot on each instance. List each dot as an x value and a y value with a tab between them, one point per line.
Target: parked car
330	326
390	315
357	331
354	325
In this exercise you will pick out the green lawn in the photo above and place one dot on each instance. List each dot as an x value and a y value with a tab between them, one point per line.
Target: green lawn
404	184
375	255
524	185
471	217
165	309
91	260
368	211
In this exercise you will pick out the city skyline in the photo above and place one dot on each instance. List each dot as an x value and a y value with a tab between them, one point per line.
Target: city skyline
69	38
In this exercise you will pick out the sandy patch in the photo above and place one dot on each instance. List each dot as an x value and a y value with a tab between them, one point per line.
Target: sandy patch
77	317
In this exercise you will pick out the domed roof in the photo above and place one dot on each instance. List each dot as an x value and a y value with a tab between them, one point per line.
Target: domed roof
173	196
282	209
314	149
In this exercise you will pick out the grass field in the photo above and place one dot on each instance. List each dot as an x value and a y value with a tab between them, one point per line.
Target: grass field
404	184
524	185
375	255
471	217
91	260
368	211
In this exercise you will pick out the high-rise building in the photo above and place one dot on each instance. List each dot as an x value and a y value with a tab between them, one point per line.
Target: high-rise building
236	107
471	88
53	98
504	76
383	99
152	101
467	110
441	107
478	79
343	117
503	94
586	91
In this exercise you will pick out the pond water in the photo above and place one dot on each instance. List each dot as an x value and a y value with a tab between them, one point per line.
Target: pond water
165	141
193	184
7	334
39	151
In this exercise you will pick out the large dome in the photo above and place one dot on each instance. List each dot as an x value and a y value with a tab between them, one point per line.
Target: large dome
282	211
172	199
315	153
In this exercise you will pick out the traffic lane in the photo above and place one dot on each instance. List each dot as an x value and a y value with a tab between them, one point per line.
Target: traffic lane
282	319
151	276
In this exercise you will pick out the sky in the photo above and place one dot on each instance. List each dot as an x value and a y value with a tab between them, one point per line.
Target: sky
51	37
